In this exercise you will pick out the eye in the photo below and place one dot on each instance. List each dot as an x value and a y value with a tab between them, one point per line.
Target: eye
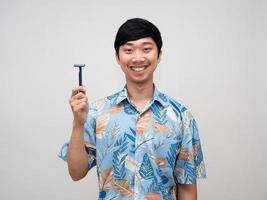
147	49
128	50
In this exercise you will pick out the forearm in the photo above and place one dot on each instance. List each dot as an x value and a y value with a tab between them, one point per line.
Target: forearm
187	192
77	156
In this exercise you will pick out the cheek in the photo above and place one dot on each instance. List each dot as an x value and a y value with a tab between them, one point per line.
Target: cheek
124	59
154	61
153	56
123	64
121	61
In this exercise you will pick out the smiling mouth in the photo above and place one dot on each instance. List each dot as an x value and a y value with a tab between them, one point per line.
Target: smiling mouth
138	68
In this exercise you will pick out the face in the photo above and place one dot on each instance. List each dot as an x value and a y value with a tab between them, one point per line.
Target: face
138	60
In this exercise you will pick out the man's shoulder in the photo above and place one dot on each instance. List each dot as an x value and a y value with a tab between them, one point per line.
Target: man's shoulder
175	105
104	102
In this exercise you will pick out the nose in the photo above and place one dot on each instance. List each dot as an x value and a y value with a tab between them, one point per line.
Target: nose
138	57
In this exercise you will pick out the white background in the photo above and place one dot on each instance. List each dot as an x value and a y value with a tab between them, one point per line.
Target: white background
214	61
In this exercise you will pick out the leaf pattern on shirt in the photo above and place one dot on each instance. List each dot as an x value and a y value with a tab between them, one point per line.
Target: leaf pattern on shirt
143	122
119	157
187	122
189	169
115	110
146	170
160	127
101	125
195	150
200	169
161	162
185	155
121	186
105	181
100	104
172	153
142	159
129	109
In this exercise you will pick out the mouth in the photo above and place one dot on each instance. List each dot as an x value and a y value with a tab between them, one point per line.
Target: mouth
138	68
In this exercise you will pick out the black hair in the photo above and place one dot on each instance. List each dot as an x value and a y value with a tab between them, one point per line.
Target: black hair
134	29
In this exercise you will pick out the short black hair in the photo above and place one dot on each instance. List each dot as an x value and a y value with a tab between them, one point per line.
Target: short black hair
134	29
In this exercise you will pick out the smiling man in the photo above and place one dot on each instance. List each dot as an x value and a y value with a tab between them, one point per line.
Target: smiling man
144	143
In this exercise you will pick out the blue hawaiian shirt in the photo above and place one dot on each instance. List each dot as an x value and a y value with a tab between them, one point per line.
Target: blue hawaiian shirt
141	154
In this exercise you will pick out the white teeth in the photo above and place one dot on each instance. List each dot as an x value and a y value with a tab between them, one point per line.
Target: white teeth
138	69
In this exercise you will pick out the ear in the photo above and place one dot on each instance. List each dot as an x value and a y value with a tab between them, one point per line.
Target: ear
117	58
159	57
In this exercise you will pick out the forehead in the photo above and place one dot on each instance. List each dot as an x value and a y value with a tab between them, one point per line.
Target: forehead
140	42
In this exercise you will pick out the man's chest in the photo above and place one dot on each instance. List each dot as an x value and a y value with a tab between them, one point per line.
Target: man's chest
125	137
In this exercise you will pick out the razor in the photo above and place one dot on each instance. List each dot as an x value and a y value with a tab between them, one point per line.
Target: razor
80	66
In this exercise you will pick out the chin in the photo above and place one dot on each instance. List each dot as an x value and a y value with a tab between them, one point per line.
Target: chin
139	81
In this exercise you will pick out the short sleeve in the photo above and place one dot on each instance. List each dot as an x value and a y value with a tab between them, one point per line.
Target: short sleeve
189	162
89	140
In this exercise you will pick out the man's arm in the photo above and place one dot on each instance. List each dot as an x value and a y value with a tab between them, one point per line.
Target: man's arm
186	192
76	155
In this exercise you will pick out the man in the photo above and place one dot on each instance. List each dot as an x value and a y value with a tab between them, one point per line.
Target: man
144	143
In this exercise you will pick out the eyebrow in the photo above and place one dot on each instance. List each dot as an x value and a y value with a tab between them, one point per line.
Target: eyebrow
143	43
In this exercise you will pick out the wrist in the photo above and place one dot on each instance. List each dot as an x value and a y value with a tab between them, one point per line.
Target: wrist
77	125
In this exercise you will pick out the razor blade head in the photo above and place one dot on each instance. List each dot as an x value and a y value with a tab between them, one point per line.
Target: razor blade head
79	65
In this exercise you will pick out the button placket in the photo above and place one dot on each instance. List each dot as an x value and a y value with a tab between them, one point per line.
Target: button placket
135	155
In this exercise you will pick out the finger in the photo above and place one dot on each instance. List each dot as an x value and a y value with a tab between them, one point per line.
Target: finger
81	107
80	95
79	101
76	102
77	89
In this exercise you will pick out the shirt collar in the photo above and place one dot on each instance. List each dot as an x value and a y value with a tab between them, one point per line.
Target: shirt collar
157	96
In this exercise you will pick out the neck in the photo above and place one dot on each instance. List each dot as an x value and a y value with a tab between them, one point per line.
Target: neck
140	93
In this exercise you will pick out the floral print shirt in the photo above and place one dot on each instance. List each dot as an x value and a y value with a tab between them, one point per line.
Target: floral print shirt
141	154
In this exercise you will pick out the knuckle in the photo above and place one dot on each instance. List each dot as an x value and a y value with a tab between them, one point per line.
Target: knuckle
72	104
